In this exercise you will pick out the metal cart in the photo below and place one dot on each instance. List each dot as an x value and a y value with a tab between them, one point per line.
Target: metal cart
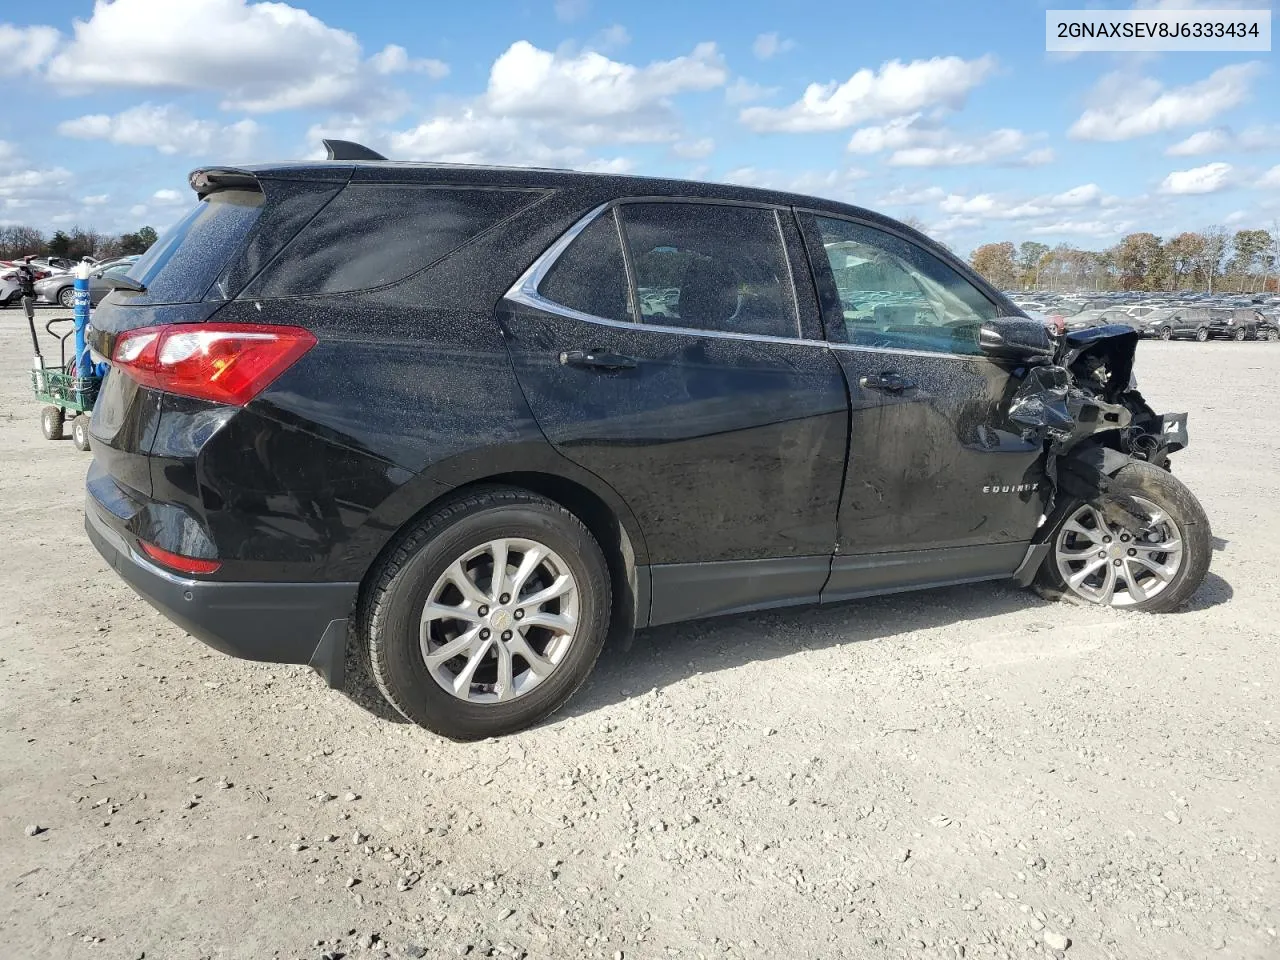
67	386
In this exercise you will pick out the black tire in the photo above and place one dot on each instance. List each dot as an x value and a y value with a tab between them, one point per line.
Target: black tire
80	431
1172	496
51	421
1166	333
1240	335
1202	334
67	297
1273	335
391	607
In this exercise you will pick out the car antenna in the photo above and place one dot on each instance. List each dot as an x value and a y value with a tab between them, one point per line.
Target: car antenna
349	150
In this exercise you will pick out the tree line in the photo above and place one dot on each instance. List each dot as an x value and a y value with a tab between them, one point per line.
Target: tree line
20	241
1211	260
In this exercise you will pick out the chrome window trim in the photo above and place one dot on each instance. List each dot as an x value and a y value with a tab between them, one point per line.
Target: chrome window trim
525	291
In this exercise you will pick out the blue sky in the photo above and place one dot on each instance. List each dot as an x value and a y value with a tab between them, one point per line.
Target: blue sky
946	111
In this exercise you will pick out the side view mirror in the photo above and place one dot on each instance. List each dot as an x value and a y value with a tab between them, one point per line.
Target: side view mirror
1015	338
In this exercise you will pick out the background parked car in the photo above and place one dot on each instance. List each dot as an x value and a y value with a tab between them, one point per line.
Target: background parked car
10	292
60	288
1266	327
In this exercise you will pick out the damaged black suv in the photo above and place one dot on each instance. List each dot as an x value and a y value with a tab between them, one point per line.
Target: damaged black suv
465	422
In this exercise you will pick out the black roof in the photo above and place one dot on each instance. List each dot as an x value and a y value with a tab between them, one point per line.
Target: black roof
613	184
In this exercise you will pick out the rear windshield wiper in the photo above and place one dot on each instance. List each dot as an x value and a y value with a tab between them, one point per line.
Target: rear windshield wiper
125	283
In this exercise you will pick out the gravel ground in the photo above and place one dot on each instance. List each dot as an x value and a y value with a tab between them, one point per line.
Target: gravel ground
968	772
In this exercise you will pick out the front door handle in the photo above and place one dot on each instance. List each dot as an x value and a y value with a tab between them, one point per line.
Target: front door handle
597	360
890	382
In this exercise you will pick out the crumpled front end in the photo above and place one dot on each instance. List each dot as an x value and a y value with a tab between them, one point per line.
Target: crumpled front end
1085	407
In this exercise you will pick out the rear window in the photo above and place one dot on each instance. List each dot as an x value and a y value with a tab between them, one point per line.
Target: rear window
372	235
183	264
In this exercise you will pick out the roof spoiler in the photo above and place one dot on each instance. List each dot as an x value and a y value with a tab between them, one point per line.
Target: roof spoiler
209	180
349	150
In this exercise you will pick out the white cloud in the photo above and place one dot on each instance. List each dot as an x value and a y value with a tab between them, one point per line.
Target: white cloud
168	197
97	200
899	133
569	10
25	49
165	128
1126	107
138	210
549	108
472	136
999	146
1210	178
1088	228
1271	178
894	90
527	81
834	184
1202	141
916	141
258	57
611	38
743	90
909	197
694	149
394	58
991	206
1081	196
1221	139
769	45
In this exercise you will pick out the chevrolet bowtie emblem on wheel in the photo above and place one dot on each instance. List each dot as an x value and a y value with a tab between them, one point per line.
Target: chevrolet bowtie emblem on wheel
1010	488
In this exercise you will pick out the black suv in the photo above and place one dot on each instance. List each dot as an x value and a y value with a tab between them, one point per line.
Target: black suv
468	421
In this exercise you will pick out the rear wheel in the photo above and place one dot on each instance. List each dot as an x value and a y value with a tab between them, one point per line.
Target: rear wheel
51	421
1166	333
1273	335
1202	334
80	432
1151	558
1239	335
488	615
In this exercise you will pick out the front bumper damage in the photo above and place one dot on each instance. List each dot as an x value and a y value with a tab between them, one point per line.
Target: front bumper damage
1085	408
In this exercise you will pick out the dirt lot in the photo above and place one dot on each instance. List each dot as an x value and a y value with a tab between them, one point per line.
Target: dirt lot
965	772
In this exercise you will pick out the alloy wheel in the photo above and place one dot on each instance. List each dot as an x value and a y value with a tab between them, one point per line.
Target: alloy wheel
499	620
1109	565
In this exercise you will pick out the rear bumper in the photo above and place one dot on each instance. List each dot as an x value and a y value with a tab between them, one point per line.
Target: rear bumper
301	623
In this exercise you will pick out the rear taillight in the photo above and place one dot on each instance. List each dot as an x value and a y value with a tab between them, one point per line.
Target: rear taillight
176	561
224	362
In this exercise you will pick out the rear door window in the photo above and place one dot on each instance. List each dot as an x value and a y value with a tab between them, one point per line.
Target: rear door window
183	264
706	266
374	234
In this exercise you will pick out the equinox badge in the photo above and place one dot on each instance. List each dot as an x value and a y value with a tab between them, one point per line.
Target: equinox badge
1010	488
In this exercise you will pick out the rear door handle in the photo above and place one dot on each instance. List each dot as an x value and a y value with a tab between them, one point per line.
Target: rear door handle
890	382
597	360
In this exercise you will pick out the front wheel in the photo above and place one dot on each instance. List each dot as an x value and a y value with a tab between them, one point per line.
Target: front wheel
1166	333
51	421
1202	334
1239	335
67	297
1150	556
488	615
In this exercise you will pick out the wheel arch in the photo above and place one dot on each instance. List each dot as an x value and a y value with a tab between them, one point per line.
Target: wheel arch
583	494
